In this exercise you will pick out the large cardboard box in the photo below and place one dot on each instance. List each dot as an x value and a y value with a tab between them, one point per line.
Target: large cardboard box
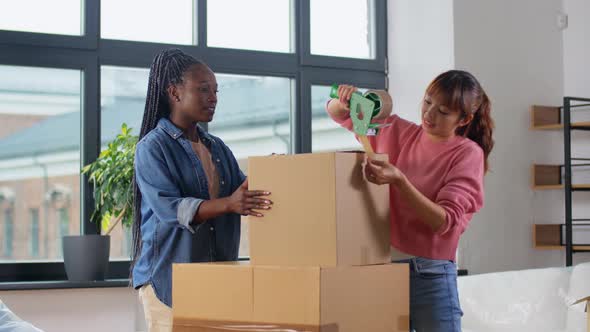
325	213
244	297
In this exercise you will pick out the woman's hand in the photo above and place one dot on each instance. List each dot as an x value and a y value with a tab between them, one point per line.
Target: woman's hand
345	92
246	202
382	172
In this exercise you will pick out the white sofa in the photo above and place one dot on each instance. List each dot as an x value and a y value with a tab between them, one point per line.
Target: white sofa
9	322
529	300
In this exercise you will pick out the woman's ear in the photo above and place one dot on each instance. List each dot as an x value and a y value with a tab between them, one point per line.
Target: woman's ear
173	93
465	120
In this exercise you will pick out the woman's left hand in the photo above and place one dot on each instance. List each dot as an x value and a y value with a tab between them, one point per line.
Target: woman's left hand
382	172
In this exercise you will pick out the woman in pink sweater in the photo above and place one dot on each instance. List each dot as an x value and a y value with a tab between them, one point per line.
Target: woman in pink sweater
435	175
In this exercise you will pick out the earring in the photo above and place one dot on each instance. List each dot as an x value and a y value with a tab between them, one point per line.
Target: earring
177	99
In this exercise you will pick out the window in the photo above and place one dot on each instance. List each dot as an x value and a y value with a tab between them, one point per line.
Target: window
263	25
343	29
62	98
127	247
153	21
8	233
253	118
55	17
327	135
123	91
39	147
34	213
253	115
63	223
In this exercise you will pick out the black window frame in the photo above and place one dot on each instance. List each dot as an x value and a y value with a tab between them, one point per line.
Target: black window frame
89	52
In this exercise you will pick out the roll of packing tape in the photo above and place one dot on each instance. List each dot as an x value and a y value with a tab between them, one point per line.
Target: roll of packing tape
383	103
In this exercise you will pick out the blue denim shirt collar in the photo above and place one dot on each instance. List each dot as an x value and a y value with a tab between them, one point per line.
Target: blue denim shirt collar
175	132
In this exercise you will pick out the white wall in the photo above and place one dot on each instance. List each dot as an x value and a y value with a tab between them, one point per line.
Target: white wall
76	310
576	45
515	49
420	46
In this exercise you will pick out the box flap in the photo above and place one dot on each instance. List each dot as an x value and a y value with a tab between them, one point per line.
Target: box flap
301	223
220	284
365	240
378	295
287	295
240	295
231	326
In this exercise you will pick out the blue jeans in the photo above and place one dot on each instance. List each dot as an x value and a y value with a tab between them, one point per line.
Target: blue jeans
434	300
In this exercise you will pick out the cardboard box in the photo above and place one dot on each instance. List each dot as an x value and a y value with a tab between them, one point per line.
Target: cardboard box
244	297
324	214
587	301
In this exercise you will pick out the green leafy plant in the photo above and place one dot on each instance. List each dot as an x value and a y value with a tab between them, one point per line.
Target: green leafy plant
112	177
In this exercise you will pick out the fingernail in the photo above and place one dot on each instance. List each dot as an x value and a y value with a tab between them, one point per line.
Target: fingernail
259	215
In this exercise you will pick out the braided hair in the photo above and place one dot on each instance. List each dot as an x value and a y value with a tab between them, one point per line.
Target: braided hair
168	68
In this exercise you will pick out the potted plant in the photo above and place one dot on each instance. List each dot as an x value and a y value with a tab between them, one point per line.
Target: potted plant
86	257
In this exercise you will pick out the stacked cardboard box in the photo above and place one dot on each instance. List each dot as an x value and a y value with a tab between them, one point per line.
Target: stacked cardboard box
320	259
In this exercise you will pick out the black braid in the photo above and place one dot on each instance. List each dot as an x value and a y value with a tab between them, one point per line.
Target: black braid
168	68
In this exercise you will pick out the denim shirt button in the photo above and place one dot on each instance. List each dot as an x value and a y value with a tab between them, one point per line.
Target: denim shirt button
218	160
222	182
212	228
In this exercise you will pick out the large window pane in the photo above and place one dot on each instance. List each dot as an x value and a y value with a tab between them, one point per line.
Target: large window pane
61	17
327	135
34	233
123	92
8	232
63	228
262	25
253	119
170	21
343	29
253	115
39	158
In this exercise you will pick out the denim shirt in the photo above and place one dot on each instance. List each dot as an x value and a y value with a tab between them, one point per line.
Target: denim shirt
173	185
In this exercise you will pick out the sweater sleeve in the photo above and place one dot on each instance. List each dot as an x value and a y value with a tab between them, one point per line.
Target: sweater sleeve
462	194
341	118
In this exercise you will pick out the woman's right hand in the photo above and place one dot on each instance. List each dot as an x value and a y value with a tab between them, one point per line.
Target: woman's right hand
341	106
345	92
247	202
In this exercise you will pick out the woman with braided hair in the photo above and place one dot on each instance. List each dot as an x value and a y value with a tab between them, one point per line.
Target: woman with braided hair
189	192
435	176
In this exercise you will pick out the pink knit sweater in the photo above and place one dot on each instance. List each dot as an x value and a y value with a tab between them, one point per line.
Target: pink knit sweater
449	173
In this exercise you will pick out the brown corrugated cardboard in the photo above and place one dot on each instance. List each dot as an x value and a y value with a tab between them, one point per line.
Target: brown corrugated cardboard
587	301
324	214
237	297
